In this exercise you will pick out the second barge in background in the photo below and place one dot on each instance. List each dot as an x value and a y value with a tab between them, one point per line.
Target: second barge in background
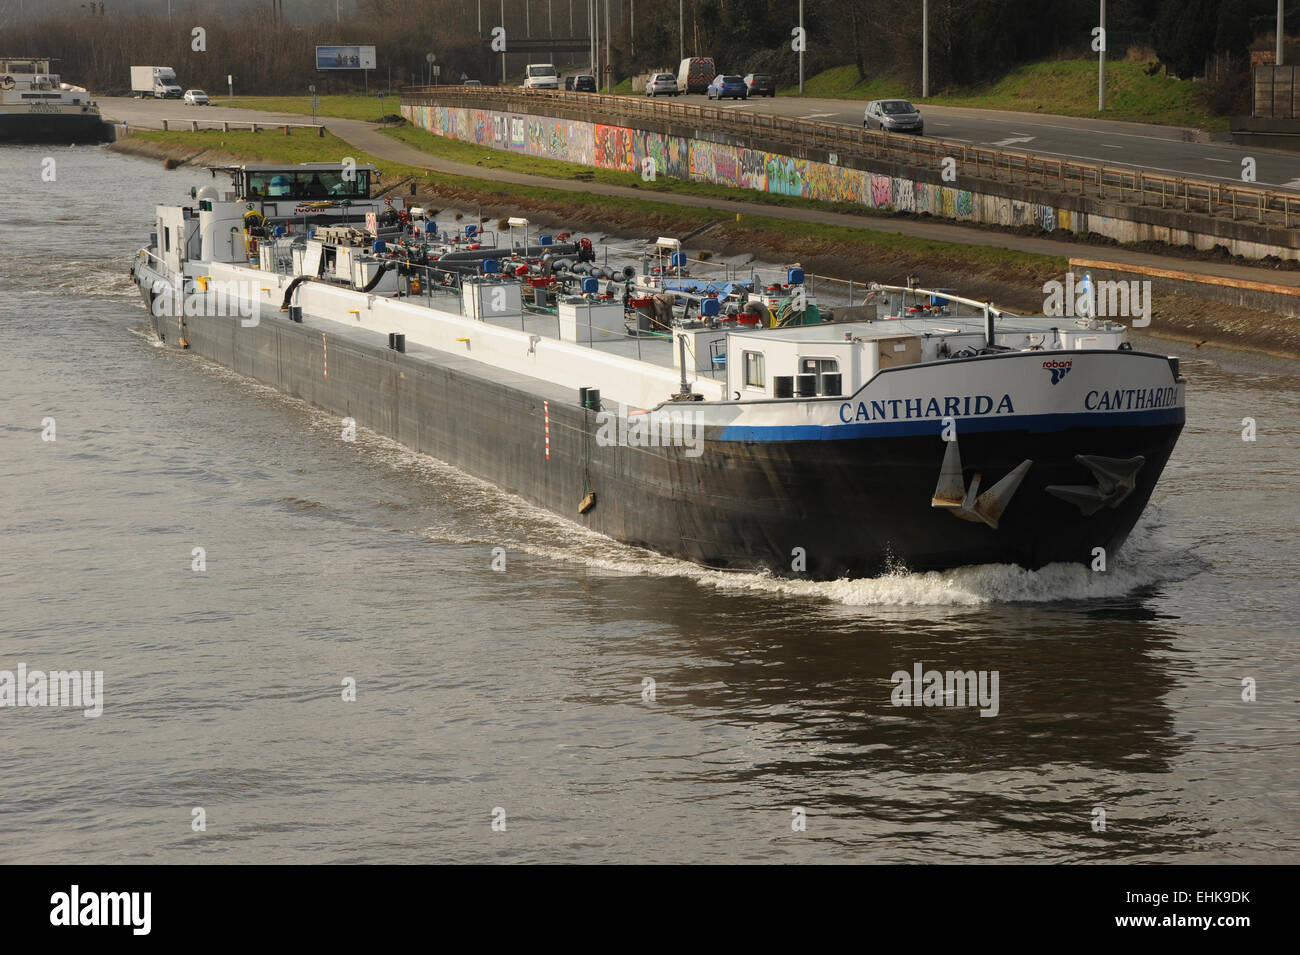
921	430
35	107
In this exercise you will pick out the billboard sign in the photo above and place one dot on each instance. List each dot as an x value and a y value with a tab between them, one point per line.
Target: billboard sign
345	58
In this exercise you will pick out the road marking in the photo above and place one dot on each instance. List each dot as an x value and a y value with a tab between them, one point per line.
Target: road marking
1110	146
1145	168
940	124
1212	159
1012	140
1293	184
817	115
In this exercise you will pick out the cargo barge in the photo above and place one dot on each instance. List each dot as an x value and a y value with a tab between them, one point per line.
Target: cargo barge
36	107
918	430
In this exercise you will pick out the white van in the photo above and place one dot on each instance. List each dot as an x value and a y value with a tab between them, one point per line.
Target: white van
695	74
541	76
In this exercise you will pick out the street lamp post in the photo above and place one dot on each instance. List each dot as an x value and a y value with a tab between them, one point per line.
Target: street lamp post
802	44
925	49
1101	61
1280	26
681	30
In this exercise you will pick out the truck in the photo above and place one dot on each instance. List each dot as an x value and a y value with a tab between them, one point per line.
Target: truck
541	76
695	74
158	82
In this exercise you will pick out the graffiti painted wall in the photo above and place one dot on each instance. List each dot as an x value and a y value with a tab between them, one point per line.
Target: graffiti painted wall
677	157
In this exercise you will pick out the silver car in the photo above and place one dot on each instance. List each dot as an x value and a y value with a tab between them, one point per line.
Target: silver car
661	84
893	116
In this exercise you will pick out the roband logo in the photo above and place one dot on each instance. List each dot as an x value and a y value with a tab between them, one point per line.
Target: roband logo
1059	369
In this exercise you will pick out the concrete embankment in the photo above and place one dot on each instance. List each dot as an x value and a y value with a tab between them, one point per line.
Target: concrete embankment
895	174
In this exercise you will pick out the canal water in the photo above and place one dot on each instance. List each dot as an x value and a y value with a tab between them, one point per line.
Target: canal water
599	703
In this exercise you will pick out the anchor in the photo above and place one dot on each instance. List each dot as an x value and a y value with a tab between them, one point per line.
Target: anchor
1116	479
967	503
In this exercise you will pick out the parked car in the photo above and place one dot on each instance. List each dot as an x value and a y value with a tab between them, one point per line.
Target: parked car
893	116
196	98
694	73
584	83
472	83
541	76
726	86
760	84
661	84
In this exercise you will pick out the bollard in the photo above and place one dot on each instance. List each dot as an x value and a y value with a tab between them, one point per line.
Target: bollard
194	125
164	122
286	129
225	127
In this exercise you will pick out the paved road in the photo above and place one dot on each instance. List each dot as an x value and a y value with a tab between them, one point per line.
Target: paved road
1167	149
366	136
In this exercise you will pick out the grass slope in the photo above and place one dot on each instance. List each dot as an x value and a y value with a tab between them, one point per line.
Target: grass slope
1064	87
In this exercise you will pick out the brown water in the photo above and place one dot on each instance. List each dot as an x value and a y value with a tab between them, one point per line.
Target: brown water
522	690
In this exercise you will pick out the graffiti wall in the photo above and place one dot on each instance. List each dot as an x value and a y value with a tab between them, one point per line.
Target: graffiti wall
677	157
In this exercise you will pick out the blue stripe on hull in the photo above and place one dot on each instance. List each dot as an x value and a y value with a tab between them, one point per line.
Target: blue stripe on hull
1040	423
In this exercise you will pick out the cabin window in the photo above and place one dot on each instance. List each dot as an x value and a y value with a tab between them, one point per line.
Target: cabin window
754	376
818	367
167	239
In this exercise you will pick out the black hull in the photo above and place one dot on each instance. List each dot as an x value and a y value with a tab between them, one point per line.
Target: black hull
55	128
855	507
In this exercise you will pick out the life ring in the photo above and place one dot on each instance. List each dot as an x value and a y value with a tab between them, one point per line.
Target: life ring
254	219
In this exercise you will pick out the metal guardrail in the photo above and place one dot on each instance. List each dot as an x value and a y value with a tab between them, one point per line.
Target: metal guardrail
226	125
1220	200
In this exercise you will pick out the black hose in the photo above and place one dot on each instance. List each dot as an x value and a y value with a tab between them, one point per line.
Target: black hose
379	274
293	287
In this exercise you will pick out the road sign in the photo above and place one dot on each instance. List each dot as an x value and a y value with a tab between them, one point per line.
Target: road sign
430	58
437	71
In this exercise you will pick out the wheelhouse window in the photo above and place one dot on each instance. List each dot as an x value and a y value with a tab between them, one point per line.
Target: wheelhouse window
754	375
308	184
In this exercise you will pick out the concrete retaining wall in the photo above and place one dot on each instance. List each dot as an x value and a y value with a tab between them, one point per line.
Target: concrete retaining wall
663	148
1261	296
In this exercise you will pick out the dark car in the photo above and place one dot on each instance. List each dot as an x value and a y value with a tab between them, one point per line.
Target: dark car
725	86
760	84
893	116
580	83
